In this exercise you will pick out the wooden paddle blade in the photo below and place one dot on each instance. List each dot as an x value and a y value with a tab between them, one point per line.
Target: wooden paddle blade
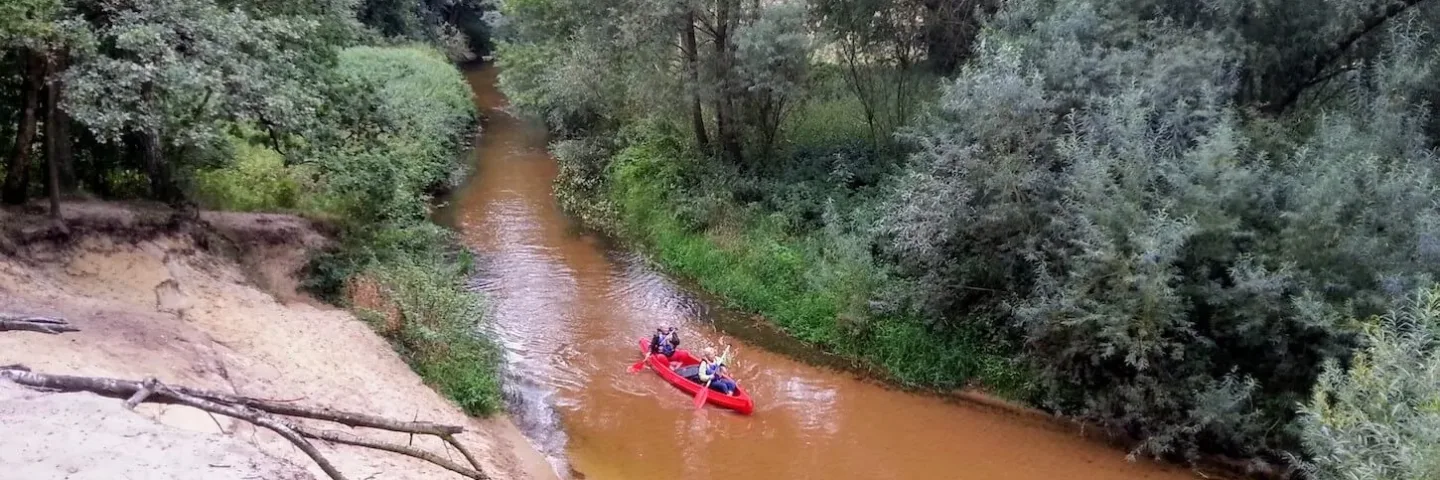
700	396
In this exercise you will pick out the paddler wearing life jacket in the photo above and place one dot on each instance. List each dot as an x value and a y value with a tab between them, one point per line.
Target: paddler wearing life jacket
712	369
664	341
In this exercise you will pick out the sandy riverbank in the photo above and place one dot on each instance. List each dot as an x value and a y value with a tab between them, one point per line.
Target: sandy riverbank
212	306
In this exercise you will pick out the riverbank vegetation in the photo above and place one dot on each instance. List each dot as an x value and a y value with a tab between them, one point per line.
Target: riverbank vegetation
1160	217
346	111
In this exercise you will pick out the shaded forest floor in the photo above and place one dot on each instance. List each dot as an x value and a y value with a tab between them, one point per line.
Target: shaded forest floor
210	304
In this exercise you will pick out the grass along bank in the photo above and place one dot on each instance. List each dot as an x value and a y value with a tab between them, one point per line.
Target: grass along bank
371	168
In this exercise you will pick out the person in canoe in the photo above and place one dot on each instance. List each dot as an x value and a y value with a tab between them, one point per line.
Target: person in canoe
711	369
664	341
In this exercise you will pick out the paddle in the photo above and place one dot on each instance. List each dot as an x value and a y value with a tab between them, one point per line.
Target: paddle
700	396
640	364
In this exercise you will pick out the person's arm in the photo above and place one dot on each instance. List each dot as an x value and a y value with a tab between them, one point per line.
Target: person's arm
705	375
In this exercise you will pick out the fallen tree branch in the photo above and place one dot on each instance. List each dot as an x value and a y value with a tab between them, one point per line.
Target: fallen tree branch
127	387
349	419
147	388
281	427
33	323
259	412
349	439
463	451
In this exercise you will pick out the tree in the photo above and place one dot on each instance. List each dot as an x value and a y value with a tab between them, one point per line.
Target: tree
880	45
17	173
773	57
455	26
175	73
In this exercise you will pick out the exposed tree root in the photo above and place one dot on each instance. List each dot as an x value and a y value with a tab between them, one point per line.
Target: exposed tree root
33	323
262	413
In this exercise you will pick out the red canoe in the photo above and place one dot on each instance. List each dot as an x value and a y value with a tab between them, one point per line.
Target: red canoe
740	402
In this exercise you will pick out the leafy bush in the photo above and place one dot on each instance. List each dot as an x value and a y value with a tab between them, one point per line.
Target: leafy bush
438	331
419	121
256	180
1380	418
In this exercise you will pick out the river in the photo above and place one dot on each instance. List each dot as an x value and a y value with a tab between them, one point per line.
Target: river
568	310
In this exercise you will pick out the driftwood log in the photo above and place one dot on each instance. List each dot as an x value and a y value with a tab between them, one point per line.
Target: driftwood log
264	413
34	323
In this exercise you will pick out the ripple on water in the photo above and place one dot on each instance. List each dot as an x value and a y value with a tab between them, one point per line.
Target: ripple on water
643	288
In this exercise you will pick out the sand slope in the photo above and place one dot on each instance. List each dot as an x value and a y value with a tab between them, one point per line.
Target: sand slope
198	306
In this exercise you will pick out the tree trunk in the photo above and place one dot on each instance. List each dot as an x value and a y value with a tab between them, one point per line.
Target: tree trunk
692	67
64	149
52	136
152	151
155	167
724	101
17	175
851	53
64	143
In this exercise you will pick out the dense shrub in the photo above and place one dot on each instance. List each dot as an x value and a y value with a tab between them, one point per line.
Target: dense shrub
421	120
256	180
377	189
1380	418
437	331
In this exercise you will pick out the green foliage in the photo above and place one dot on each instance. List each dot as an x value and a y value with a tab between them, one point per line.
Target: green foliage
396	136
256	180
1169	279
1380	418
27	21
438	331
420	119
186	68
580	185
455	27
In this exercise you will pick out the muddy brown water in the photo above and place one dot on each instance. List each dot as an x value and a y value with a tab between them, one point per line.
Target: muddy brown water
568	310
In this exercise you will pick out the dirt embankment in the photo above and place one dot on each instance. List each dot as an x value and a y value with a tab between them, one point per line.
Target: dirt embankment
210	305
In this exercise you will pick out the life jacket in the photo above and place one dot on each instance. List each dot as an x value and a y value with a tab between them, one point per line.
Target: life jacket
710	367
